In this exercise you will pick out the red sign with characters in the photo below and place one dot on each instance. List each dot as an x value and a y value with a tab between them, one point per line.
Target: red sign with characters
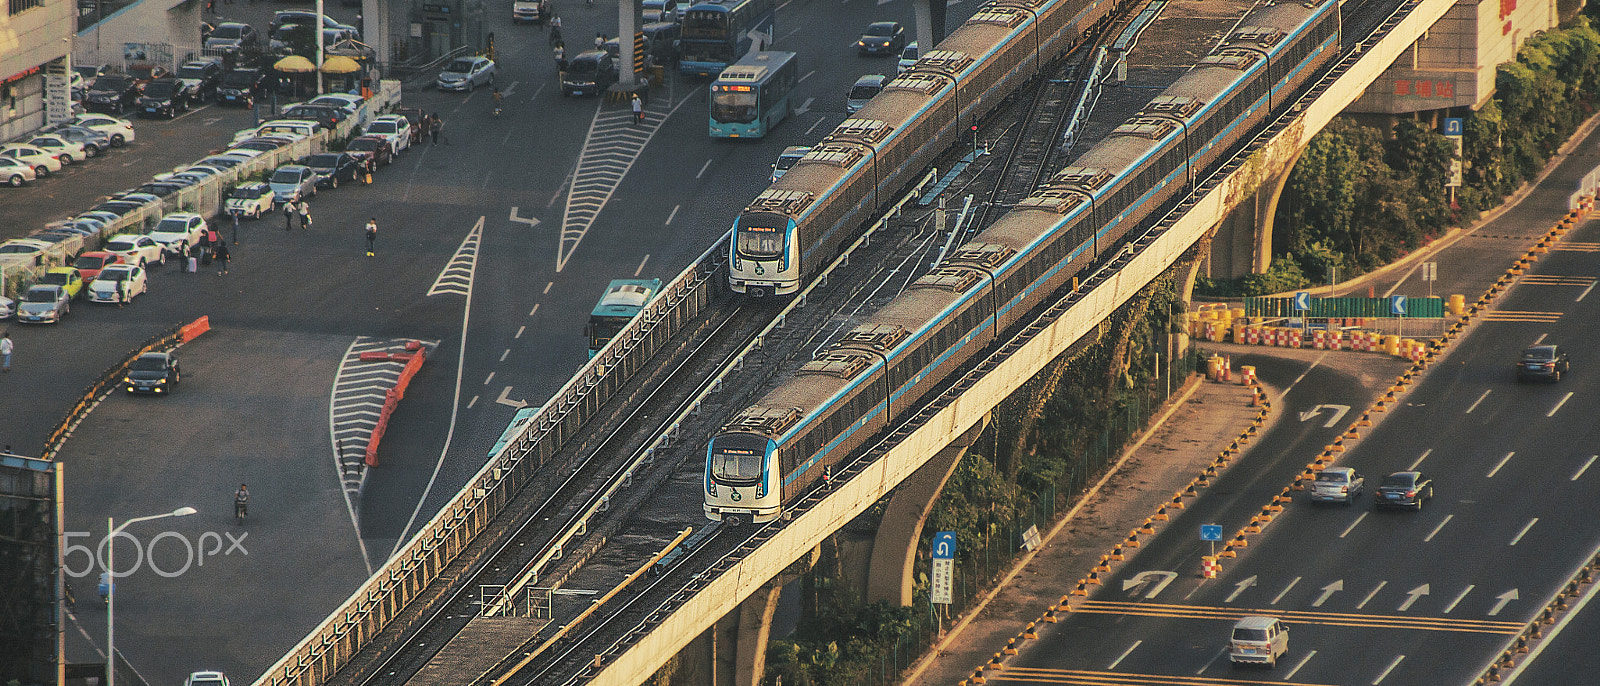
1425	89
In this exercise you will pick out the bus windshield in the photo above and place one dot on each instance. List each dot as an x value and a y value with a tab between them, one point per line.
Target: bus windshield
733	463
704	24
733	106
760	242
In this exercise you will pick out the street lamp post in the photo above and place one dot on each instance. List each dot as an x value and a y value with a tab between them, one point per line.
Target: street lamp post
111	587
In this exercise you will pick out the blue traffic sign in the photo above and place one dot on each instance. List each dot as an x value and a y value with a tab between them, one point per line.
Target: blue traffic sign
1452	126
1397	305
1302	301
944	545
1210	532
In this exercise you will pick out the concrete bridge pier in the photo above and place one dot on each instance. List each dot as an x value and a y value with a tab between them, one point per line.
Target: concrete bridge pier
891	573
738	642
1243	240
930	17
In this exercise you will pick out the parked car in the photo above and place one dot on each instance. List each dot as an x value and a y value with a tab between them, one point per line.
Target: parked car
345	101
112	93
293	183
179	231
15	173
64	150
67	278
200	78
153	373
327	117
65	243
93	142
31	251
1258	640
864	90
369	147
1404	489
251	200
394	128
882	38
44	304
1337	485
286	17
118	283
42	161
89	264
466	74
164	97
135	249
332	167
590	73
232	37
8	307
1543	362
83	75
120	130
241	87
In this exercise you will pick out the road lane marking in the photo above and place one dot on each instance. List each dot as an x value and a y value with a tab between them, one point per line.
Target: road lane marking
1123	656
791	33
814	126
1328	591
491	378
1524	530
809	73
640	268
504	354
532	312
1374	592
1459	598
520	329
514	217
457	275
1212	661
1303	374
1239	588
1540	339
536	92
703	169
1502	600
1353	524
472	402
1584	293
1413	595
1385	673
1436	529
1297	667
1502	463
547	286
671	214
1285	590
1424	456
1522	316
1563	401
1479	400
1424	622
1584	468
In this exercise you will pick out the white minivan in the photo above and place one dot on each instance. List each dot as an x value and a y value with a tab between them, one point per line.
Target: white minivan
1258	640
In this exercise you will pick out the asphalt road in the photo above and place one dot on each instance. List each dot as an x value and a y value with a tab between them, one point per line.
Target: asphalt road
1378	596
255	405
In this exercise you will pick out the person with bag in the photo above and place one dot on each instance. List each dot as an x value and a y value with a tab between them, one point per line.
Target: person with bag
305	215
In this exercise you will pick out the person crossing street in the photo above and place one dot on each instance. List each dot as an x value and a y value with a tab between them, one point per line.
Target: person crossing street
372	237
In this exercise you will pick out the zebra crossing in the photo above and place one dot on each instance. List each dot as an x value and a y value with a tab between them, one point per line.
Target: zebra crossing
359	388
611	147
457	275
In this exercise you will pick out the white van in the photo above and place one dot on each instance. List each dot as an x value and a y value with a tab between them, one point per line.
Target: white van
1258	640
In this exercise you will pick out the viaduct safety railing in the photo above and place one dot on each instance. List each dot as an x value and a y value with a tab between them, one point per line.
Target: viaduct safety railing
371	608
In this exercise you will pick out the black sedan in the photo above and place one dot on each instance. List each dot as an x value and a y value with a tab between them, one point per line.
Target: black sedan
1404	489
882	38
152	373
111	94
164	97
1543	362
333	167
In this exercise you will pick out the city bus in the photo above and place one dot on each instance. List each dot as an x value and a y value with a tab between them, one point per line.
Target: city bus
716	33
752	95
623	299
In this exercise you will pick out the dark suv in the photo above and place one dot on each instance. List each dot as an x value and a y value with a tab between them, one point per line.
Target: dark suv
1404	489
1544	362
111	94
590	73
201	77
164	97
240	87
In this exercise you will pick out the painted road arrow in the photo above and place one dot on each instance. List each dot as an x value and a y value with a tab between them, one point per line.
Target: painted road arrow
1239	588
1143	578
1328	591
1412	596
530	221
1503	599
1338	414
505	399
805	106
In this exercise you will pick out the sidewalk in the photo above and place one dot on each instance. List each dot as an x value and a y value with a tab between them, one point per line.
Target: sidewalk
1182	440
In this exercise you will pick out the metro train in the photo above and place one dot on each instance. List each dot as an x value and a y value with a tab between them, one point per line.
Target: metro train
886	366
804	219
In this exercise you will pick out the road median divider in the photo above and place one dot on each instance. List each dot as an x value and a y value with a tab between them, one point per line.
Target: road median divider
414	356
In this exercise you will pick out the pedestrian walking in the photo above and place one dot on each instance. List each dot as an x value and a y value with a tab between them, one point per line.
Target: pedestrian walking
288	216
560	52
638	110
222	258
438	125
372	237
235	228
6	346
305	215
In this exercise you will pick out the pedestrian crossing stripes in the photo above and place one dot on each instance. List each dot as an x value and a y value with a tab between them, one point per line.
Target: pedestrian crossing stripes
1573	246
1519	316
359	388
457	275
1369	621
1092	677
613	144
1552	280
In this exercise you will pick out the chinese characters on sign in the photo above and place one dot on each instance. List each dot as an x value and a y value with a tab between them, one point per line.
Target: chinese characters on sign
1425	89
944	563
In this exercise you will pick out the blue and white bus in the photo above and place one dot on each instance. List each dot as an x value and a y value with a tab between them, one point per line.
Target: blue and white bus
716	33
624	298
752	95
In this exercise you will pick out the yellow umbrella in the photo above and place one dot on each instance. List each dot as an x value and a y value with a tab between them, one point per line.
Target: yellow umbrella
339	64
294	64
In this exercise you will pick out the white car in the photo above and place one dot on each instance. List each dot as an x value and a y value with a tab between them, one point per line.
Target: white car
43	162
393	127
177	232
24	251
120	130
250	200
8	307
293	129
118	283
135	249
15	173
908	58
64	150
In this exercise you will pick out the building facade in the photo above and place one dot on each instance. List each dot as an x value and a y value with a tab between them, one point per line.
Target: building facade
35	41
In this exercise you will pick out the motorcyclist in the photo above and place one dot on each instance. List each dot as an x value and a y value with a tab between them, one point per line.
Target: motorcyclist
497	99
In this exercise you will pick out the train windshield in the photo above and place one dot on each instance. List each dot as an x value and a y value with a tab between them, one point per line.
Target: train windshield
736	459
760	239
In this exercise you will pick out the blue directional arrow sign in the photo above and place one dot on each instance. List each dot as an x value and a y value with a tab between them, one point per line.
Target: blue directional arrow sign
944	545
1452	126
1210	532
944	565
1397	305
1302	301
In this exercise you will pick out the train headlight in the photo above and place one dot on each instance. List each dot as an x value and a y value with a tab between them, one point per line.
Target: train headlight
711	488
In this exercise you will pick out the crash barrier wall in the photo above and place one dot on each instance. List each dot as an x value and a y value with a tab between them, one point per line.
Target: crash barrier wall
391	398
206	197
1587	188
178	334
349	628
